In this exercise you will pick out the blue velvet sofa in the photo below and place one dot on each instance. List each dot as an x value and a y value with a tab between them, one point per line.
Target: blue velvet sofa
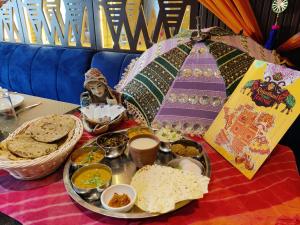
56	72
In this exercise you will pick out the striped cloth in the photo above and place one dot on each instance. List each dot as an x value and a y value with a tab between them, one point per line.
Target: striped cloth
272	197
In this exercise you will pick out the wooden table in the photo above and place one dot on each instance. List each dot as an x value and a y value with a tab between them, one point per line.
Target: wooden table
47	107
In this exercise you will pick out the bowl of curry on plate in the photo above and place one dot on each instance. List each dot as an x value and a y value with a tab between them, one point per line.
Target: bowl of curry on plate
87	155
91	179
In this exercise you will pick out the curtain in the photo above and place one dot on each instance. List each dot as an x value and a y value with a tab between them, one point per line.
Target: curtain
290	44
237	15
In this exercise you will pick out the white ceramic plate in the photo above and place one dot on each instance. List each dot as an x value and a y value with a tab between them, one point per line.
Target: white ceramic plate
16	100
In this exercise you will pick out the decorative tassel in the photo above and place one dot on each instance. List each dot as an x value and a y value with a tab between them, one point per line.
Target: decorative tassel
278	7
272	37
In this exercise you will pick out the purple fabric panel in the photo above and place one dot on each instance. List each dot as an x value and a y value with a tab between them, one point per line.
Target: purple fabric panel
179	113
193	120
201	86
189	113
199	92
203	61
192	107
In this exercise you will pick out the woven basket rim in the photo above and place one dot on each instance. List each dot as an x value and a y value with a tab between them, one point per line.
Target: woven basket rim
61	151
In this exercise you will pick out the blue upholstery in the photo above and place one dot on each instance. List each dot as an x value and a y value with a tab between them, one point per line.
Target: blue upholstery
46	60
55	72
6	52
70	75
112	65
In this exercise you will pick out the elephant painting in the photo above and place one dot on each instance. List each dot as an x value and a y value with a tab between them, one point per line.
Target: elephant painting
269	93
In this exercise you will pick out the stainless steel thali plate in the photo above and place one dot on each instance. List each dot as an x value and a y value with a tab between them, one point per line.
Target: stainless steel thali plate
123	170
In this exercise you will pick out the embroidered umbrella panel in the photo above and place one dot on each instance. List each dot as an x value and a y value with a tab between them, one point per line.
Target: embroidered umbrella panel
196	96
144	94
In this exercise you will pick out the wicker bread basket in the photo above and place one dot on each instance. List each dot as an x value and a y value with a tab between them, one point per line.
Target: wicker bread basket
42	166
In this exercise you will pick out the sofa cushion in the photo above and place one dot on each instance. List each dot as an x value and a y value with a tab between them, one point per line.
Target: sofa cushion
70	76
47	59
112	65
50	72
6	51
56	72
20	67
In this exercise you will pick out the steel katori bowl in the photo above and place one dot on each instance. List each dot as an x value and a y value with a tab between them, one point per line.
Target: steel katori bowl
83	150
112	149
91	193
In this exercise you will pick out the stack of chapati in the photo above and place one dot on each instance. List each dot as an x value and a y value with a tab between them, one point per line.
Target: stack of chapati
39	139
159	188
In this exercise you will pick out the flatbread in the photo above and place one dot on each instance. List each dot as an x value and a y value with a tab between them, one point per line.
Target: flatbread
26	147
50	129
159	188
7	155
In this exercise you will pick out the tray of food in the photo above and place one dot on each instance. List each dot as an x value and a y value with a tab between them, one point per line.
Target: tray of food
137	173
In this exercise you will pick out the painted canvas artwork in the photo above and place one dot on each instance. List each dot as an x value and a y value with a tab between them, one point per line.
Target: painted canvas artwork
256	116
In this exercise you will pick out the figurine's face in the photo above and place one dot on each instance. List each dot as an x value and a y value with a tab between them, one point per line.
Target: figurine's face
97	88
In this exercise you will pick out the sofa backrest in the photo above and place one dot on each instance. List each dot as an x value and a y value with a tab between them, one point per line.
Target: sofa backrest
55	72
112	64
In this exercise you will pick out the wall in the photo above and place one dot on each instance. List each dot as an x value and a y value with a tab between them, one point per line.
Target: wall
93	25
99	24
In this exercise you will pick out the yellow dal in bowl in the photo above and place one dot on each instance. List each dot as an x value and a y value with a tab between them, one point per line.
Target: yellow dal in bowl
89	157
92	178
132	132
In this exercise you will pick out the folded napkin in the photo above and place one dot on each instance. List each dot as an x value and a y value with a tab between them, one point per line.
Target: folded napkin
98	113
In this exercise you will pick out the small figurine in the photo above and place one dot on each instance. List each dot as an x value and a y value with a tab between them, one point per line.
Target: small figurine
97	89
98	94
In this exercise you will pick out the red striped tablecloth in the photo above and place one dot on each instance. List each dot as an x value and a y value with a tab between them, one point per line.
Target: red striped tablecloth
272	197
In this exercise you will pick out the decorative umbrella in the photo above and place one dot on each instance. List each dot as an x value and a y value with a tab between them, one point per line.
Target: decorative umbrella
183	82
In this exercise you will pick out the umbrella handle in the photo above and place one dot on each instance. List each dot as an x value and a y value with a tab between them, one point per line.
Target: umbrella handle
198	20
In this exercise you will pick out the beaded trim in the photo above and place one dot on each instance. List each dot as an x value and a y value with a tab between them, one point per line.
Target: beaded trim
126	73
197	72
135	113
214	101
186	127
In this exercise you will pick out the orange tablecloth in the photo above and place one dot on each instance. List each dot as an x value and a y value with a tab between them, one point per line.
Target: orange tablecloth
272	197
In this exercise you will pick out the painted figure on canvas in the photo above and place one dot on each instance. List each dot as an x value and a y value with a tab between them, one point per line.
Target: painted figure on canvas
244	133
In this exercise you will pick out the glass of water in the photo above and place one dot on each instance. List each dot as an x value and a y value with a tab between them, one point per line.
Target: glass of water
8	117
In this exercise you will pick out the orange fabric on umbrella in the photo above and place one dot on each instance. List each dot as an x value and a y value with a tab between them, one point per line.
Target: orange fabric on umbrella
290	44
237	15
